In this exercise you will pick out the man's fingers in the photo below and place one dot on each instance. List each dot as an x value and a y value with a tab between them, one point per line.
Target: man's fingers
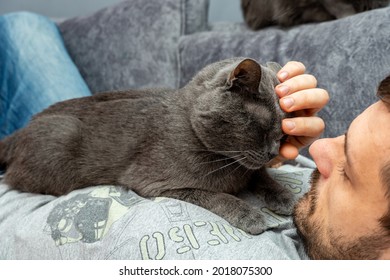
288	151
291	69
301	82
303	126
313	99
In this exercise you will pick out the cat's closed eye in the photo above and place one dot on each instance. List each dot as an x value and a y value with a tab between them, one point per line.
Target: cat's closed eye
258	111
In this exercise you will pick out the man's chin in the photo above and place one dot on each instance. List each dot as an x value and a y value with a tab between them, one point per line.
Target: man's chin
304	211
300	214
307	205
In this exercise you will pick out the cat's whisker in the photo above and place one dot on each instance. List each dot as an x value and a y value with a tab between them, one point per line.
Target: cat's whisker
248	169
215	151
211	152
204	156
228	152
238	166
222	167
221	159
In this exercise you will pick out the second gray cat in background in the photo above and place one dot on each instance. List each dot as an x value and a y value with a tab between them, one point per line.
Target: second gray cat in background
286	13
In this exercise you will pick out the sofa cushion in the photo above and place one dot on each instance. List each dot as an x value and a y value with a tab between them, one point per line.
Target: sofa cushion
349	57
132	44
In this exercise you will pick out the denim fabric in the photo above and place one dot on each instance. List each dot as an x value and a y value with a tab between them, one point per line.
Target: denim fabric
35	69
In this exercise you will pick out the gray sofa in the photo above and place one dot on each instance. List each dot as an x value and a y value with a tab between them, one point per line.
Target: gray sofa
154	43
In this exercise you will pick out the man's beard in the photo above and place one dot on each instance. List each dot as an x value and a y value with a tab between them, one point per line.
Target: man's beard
332	246
309	232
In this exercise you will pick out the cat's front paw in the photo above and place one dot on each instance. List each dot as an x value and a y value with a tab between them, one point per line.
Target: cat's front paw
252	223
277	198
281	203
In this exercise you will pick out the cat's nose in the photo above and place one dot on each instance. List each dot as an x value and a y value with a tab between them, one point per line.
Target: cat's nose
274	151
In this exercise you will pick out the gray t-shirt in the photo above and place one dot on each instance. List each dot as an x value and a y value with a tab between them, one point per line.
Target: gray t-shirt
108	222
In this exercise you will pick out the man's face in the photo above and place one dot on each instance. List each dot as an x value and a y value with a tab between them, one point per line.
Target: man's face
339	217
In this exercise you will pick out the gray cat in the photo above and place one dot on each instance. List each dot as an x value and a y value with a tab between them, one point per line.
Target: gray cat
201	144
262	13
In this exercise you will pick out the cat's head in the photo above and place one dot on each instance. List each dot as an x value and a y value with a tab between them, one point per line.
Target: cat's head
344	8
366	5
236	112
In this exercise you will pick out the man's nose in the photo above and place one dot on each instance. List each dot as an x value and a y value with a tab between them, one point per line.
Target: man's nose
325	153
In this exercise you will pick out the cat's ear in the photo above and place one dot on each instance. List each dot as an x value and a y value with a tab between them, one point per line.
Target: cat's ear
274	66
245	77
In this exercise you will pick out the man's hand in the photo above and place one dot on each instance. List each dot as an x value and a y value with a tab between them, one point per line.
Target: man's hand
300	96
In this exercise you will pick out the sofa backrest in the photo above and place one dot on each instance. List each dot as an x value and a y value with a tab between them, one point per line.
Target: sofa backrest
132	44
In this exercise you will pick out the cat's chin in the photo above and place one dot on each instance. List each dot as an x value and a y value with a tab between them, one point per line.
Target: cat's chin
252	166
254	160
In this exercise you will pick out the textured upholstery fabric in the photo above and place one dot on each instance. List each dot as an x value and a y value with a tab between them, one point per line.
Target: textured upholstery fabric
349	57
132	44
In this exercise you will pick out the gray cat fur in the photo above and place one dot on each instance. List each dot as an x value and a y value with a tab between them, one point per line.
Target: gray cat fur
202	143
262	13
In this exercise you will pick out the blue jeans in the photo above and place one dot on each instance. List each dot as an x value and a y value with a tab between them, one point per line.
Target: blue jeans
35	69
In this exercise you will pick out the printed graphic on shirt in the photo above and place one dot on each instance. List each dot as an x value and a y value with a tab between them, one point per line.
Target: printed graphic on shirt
87	217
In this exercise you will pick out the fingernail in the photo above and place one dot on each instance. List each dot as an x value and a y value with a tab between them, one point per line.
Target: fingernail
283	89
288	102
283	75
290	125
